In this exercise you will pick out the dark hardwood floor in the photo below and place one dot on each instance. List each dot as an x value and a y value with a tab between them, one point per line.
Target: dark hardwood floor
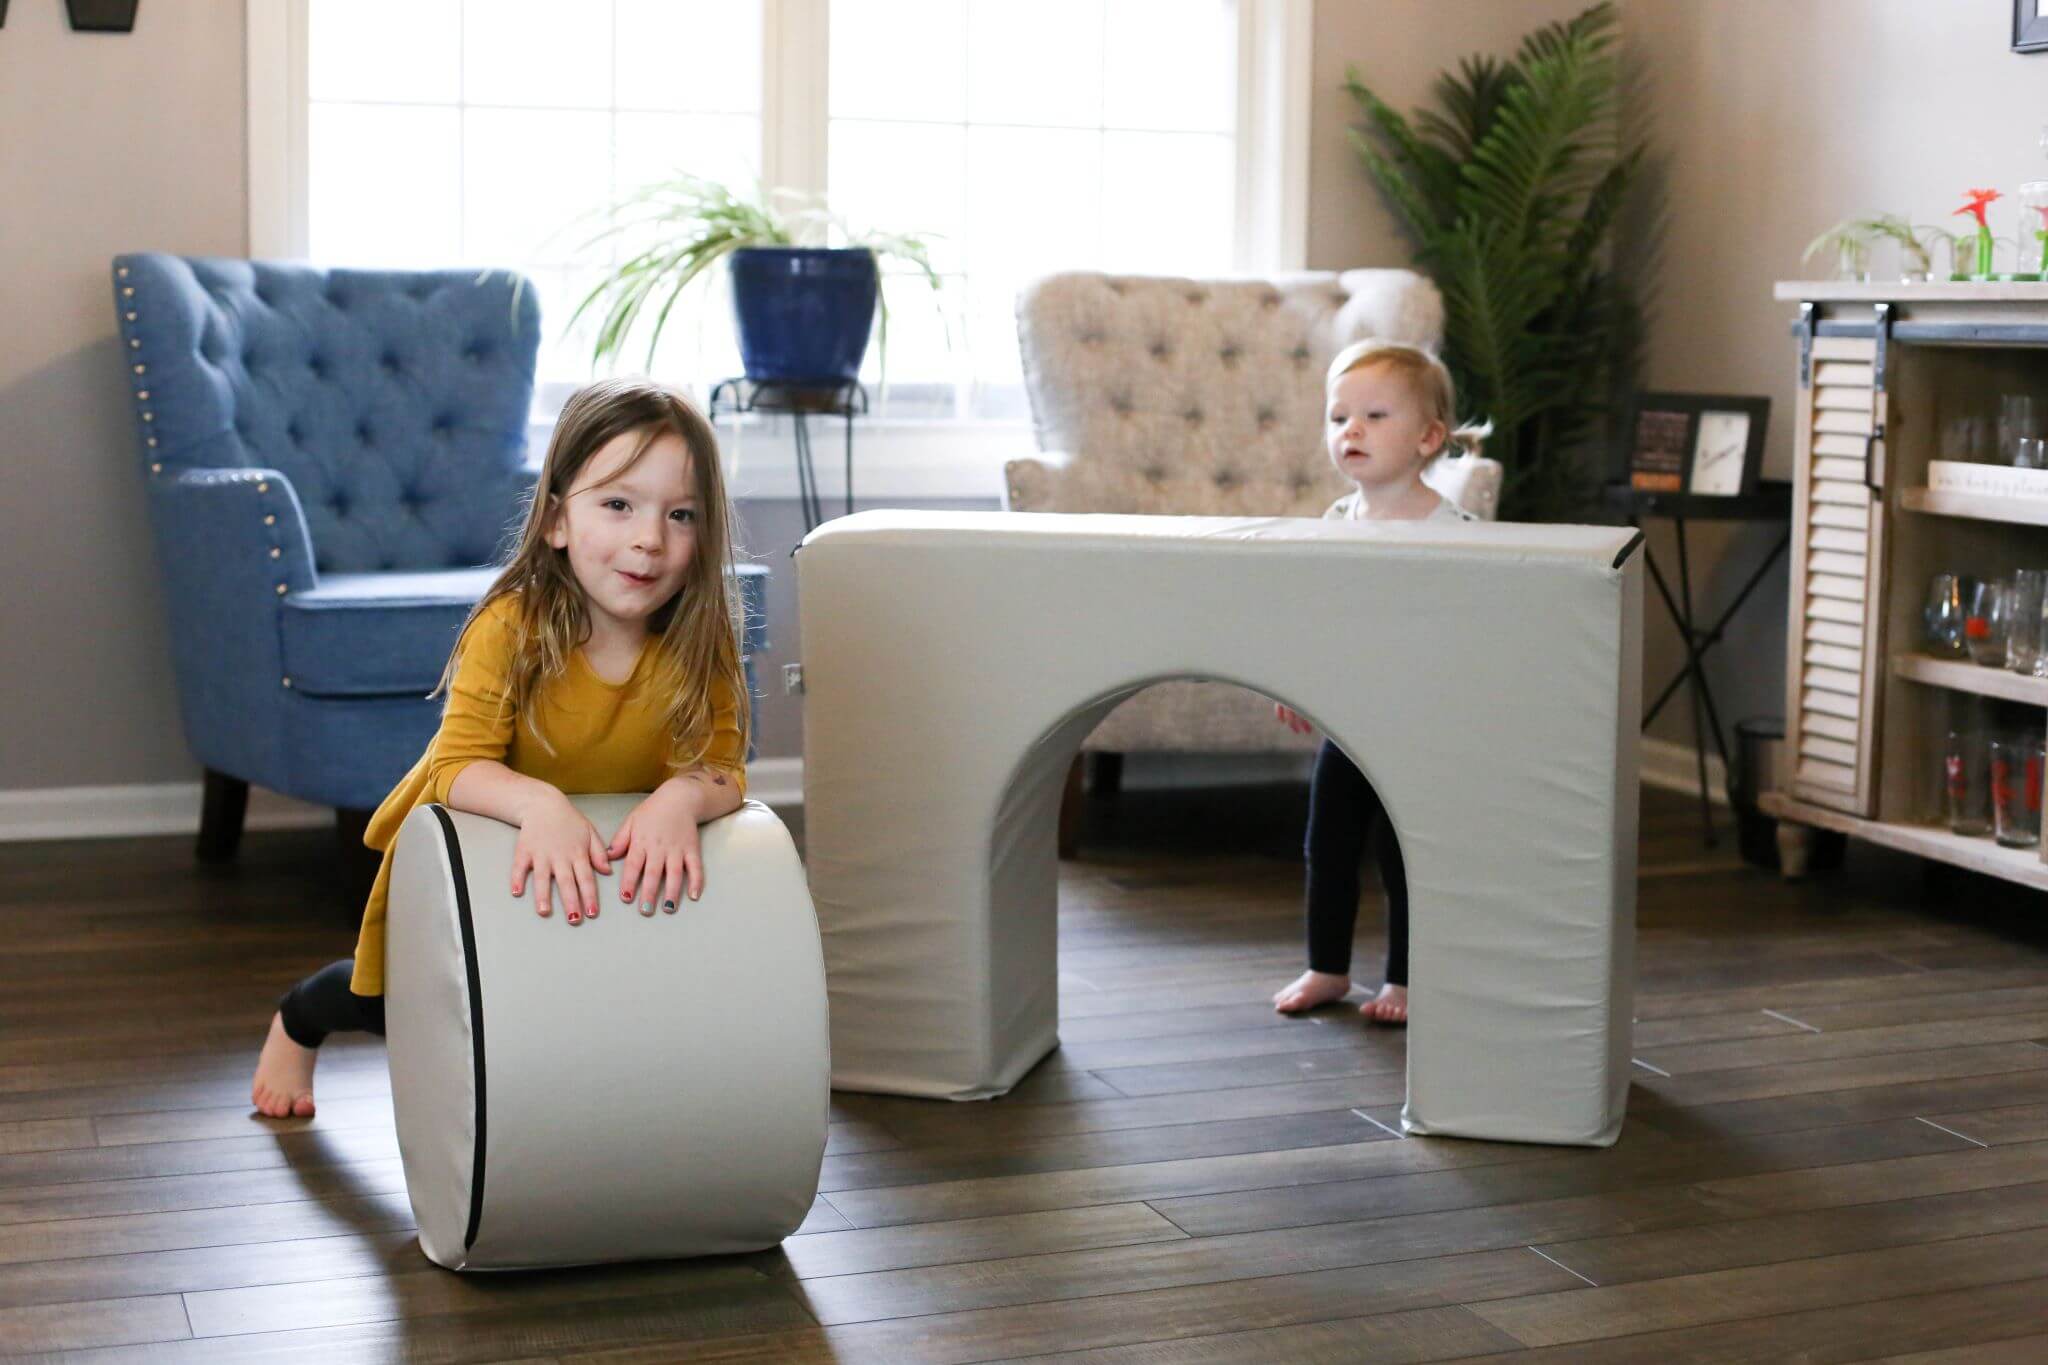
1837	1147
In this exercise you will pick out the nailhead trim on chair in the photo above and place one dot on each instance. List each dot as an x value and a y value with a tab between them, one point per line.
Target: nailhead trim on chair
132	317
409	516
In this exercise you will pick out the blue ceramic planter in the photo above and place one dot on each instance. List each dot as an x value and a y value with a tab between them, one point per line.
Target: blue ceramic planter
804	313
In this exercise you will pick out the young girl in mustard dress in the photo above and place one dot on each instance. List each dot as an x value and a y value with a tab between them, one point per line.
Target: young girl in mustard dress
605	658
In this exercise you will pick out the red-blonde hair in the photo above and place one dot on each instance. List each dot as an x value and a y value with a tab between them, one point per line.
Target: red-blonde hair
1427	379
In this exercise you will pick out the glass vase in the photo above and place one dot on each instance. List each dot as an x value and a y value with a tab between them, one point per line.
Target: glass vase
2033	229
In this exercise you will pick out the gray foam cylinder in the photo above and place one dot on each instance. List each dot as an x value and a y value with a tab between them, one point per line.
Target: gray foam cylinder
630	1088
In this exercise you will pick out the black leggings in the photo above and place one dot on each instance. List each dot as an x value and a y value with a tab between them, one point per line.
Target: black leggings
323	1004
1343	813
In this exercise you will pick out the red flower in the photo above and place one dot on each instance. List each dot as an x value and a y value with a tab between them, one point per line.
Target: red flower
1979	201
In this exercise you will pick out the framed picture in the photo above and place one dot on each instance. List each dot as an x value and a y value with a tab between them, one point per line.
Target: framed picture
1708	445
2029	26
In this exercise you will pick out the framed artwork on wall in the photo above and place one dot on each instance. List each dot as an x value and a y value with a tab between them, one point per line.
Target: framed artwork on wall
102	16
2029	26
1708	445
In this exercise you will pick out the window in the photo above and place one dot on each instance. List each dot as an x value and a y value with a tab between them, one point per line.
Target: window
1152	135
486	133
1036	137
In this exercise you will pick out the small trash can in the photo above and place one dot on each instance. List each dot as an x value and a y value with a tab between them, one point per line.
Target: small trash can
1757	741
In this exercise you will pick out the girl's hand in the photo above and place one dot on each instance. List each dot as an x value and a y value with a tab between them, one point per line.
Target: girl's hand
659	849
559	847
1292	719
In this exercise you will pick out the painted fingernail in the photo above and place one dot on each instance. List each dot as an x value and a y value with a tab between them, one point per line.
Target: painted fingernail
669	906
647	907
575	917
592	911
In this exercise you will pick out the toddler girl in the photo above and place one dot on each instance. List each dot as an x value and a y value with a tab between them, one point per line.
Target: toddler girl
605	658
1389	414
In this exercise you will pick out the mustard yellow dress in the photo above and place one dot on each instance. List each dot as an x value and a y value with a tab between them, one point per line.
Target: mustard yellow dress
606	737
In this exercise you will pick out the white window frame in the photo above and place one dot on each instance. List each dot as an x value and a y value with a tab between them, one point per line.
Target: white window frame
926	459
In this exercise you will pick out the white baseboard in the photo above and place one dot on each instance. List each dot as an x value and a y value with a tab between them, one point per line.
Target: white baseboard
142	808
776	781
1674	768
173	807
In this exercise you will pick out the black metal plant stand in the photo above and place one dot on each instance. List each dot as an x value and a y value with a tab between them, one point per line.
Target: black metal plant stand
1771	502
800	402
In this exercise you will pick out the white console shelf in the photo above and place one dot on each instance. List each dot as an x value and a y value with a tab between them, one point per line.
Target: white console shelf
1866	711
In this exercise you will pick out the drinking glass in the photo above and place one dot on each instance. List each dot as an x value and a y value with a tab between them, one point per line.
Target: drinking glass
2034	227
2016	790
1944	617
2030	452
2036	627
1966	776
1968	438
2019	414
1987	628
2023	639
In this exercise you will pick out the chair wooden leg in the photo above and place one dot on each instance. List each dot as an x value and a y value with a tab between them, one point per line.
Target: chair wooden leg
1106	774
222	806
1070	811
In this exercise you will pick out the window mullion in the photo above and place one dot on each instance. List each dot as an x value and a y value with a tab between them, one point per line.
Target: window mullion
275	57
1274	81
796	59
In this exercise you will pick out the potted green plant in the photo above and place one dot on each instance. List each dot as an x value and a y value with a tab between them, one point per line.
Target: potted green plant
803	310
1916	262
1847	245
1509	191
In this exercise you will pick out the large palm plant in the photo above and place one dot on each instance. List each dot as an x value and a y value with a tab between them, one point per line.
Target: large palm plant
1509	194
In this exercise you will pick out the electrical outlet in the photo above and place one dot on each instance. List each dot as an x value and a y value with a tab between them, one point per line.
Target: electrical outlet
792	680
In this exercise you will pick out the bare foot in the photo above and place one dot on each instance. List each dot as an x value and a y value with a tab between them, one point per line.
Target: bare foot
283	1088
1390	1006
1310	989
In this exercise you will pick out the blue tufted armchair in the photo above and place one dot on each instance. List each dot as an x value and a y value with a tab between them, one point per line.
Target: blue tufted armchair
331	456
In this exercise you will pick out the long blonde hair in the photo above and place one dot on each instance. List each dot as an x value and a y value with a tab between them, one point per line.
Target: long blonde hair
699	628
1427	379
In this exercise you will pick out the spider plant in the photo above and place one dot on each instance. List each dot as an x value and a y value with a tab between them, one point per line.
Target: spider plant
1847	246
677	229
1914	257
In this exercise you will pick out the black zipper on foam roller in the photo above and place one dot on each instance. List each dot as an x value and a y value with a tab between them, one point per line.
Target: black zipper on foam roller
476	1018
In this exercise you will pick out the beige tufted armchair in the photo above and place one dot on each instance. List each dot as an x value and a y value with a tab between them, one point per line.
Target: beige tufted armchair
1203	397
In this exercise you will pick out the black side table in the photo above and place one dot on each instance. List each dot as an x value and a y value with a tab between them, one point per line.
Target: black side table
1770	502
800	402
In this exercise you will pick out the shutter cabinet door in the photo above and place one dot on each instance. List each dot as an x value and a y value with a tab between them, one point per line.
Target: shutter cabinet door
1837	558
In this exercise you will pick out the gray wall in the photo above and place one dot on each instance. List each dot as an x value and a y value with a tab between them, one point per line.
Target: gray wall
108	143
